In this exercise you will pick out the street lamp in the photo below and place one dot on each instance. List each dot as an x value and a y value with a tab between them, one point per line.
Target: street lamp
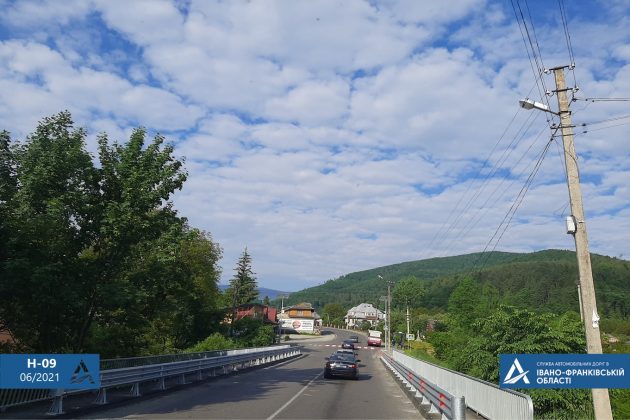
388	317
586	288
530	104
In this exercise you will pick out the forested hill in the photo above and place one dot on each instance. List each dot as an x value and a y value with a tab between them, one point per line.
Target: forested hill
539	280
366	286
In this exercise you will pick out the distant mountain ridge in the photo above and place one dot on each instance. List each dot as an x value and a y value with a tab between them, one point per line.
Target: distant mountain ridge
262	292
543	280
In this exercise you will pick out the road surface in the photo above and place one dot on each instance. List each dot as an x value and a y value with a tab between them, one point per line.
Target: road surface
293	389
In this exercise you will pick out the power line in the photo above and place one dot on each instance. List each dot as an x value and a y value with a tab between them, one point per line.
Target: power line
603	99
621	117
537	67
461	198
567	37
444	234
604	128
512	211
485	181
485	205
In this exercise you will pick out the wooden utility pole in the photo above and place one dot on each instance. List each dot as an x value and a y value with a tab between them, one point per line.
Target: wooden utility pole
601	400
388	335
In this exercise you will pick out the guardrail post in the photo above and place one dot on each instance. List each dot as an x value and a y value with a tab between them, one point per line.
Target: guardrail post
135	390
56	407
459	408
161	384
101	397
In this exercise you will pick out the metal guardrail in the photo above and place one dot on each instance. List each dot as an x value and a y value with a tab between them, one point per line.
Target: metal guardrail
438	400
12	397
486	398
107	364
204	366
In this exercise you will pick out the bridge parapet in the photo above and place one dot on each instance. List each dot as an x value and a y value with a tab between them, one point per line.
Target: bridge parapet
485	398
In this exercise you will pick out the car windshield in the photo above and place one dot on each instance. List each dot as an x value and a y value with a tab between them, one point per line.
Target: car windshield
341	357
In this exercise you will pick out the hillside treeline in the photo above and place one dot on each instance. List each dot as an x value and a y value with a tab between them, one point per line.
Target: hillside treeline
545	280
93	256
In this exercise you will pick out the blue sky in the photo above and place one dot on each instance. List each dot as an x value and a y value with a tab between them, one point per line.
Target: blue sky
336	136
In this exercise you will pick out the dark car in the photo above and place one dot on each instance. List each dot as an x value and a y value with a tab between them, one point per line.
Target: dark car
341	365
346	351
354	338
347	344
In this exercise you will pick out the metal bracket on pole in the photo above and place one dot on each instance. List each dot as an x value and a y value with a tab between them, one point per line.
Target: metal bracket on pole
595	319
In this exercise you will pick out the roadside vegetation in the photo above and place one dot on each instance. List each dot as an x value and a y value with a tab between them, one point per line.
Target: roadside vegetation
93	256
477	328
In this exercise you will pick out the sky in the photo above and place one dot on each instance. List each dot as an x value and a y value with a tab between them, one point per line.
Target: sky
330	137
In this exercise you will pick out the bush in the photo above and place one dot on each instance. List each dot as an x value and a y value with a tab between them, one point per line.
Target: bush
214	342
264	336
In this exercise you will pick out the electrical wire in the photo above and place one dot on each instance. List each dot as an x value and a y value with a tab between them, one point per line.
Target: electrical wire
567	37
492	172
535	58
453	211
604	99
505	223
621	117
604	128
485	205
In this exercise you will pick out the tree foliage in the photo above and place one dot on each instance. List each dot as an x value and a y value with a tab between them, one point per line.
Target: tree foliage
333	313
93	256
243	286
409	291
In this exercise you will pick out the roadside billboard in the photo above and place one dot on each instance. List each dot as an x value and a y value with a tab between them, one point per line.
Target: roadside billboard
298	325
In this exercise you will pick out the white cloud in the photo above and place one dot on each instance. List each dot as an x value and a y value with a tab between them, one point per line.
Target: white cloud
331	137
311	103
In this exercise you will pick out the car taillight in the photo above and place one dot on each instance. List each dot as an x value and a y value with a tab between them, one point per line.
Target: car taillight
353	366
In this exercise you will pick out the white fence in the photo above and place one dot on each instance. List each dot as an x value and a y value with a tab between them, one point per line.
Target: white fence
483	397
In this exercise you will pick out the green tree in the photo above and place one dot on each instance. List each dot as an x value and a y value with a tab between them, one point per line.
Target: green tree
511	330
408	291
333	313
48	227
465	304
136	181
102	253
8	188
243	287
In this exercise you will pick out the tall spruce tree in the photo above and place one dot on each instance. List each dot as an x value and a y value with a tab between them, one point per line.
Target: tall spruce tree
243	286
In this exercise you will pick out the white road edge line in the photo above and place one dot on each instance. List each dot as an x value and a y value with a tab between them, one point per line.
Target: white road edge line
273	416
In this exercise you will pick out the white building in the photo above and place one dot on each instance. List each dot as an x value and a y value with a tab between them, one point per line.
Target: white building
363	312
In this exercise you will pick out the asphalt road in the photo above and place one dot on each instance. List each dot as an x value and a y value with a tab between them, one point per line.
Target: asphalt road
294	389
